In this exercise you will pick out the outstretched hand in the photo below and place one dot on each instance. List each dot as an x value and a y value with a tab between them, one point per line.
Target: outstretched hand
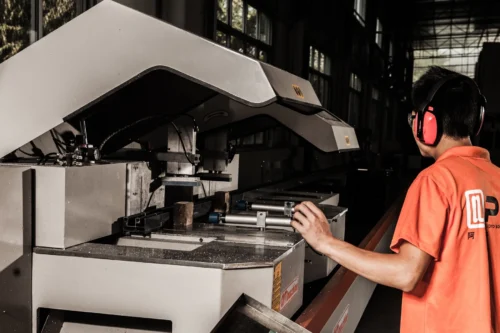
312	224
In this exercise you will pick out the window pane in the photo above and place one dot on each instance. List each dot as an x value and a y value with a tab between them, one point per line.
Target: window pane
251	22
264	29
314	82
56	13
379	33
262	56
249	140
222	11
259	138
311	56
316	60
237	15
221	38
327	65
237	44
322	63
355	83
251	51
362	9
15	25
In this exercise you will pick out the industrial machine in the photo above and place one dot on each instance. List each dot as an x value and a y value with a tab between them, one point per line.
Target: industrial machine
109	124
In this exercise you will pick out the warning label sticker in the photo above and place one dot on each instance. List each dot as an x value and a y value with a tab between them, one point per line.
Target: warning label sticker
290	291
277	288
339	328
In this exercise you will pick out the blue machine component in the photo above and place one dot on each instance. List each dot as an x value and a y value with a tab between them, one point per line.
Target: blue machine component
214	218
241	205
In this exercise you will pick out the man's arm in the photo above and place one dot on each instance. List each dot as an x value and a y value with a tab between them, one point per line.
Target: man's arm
402	270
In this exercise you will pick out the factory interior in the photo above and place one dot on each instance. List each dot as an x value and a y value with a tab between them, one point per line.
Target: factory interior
152	153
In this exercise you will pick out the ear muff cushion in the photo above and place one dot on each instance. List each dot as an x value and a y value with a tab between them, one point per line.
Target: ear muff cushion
415	124
429	128
480	121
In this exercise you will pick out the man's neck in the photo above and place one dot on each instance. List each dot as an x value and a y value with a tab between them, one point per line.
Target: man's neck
448	143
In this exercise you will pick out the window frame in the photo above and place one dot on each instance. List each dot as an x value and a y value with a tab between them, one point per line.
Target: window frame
321	75
379	33
37	11
356	91
243	36
361	17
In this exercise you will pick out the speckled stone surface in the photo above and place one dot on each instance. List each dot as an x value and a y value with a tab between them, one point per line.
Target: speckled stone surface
232	248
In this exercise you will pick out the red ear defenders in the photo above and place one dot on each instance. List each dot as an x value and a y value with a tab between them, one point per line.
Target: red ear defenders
426	126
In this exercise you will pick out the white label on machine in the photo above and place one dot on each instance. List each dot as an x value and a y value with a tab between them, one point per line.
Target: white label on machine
290	291
339	328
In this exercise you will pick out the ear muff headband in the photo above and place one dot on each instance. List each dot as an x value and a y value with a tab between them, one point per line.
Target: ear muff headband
427	128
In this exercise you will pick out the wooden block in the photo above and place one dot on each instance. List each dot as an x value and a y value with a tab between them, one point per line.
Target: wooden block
183	213
221	202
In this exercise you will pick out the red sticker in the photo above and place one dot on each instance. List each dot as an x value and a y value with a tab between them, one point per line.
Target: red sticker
290	291
339	328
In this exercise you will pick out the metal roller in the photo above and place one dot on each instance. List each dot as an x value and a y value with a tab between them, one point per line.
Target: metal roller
261	219
268	208
287	208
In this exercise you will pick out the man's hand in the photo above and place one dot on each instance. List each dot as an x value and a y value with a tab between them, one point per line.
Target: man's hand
310	221
403	270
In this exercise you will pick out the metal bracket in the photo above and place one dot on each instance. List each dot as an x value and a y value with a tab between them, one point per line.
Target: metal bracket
288	209
217	177
261	219
181	181
179	157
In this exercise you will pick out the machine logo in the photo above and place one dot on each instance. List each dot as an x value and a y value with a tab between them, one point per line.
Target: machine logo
298	91
290	291
477	213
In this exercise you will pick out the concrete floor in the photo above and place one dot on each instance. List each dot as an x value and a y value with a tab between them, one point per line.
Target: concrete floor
383	312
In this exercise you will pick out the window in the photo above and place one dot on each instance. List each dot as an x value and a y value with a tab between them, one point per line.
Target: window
360	11
15	25
378	34
354	100
391	50
56	13
25	22
243	28
319	75
355	82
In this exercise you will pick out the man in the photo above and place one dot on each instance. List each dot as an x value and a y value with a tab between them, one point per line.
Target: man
447	239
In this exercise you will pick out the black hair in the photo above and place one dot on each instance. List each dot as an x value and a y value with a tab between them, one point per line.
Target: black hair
455	103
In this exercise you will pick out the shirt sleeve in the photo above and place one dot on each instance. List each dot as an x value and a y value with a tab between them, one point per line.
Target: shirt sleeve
423	218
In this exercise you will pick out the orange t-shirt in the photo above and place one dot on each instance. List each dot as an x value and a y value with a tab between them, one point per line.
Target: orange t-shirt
451	212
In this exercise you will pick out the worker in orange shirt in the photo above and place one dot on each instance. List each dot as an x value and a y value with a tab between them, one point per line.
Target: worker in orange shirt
447	238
